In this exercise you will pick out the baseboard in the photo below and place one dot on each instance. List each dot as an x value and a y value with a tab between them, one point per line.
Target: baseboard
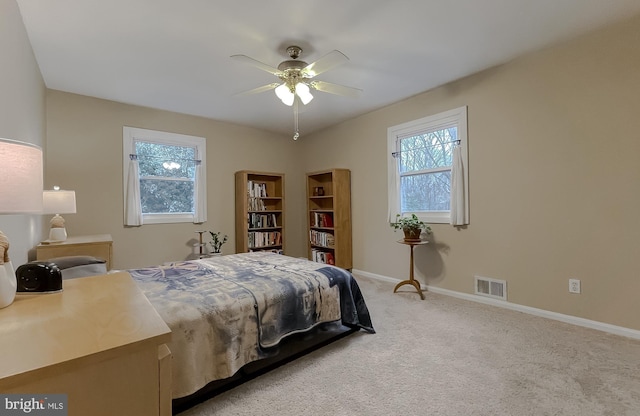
587	323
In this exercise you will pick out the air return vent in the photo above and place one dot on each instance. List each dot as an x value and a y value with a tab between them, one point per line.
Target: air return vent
492	288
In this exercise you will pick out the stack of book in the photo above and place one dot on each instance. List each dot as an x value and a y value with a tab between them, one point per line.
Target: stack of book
257	189
319	238
262	220
265	239
256	204
322	220
320	256
273	250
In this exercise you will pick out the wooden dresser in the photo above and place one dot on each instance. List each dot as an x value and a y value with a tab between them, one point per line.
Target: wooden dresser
99	246
99	341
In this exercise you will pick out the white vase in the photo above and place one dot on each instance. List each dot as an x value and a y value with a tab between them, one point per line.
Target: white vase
7	284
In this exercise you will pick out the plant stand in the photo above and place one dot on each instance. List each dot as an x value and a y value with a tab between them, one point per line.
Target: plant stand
411	280
200	246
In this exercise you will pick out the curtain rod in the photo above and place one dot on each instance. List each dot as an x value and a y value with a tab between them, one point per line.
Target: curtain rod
396	154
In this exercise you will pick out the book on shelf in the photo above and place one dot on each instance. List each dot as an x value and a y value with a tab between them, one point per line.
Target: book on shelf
328	256
320	238
257	189
330	240
259	239
322	219
256	220
256	204
320	256
273	250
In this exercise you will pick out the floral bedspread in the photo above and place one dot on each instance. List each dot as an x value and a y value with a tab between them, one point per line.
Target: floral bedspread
226	311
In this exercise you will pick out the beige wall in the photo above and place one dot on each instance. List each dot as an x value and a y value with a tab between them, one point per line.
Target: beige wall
553	148
554	145
22	116
84	151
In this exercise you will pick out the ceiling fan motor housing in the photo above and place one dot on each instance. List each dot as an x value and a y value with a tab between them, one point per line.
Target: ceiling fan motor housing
291	72
292	65
292	69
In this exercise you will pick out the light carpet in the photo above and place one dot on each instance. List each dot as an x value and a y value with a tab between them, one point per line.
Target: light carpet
447	356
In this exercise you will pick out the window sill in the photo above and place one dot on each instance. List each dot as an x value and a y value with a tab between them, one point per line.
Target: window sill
442	217
166	218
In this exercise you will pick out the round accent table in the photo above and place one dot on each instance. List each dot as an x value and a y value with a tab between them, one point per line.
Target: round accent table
411	280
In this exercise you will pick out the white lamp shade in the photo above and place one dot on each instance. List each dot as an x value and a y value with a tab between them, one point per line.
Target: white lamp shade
302	90
285	94
59	202
20	177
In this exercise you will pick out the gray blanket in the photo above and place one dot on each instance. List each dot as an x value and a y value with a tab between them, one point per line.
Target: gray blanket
227	311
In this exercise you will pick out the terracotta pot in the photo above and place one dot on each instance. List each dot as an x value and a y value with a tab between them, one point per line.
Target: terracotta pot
412	234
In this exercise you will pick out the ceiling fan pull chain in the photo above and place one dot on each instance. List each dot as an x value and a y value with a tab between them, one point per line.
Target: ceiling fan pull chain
295	119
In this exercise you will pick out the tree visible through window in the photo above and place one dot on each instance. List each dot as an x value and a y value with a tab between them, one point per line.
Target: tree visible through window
164	177
425	170
421	164
167	175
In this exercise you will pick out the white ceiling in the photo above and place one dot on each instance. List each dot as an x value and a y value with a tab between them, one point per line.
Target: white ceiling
174	55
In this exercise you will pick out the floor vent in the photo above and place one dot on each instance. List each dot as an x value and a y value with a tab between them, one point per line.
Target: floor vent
492	288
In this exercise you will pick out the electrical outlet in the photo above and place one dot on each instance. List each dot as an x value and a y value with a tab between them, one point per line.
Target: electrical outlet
574	286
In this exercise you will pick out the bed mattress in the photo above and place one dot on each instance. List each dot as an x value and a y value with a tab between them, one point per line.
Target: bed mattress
228	311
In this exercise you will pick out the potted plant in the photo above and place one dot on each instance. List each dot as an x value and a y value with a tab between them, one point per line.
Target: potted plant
217	241
412	227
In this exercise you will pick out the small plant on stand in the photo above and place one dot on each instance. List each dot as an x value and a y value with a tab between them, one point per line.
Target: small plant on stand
217	241
411	226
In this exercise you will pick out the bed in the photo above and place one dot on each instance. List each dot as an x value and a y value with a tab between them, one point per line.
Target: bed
229	311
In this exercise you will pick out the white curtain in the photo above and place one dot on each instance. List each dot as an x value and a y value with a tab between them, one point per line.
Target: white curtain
200	195
133	210
394	189
459	210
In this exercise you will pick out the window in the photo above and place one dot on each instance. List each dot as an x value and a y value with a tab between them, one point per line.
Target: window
164	177
421	162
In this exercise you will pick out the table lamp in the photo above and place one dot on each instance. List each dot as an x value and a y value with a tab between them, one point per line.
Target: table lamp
20	193
58	202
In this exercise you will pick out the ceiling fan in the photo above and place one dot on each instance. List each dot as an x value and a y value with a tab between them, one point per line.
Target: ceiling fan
297	79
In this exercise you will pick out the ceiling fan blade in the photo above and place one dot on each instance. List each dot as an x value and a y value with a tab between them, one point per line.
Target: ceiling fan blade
260	65
257	90
327	62
335	88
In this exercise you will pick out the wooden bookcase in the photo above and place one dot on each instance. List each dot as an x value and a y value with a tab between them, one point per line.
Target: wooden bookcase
259	211
329	217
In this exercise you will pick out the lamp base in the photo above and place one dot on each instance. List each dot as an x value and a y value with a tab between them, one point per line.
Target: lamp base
58	234
7	284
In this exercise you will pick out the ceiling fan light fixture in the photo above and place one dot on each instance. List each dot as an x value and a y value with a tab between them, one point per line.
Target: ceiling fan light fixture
288	100
296	75
302	90
284	93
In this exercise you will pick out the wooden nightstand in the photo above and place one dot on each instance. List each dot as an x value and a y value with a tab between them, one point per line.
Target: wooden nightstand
100	246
